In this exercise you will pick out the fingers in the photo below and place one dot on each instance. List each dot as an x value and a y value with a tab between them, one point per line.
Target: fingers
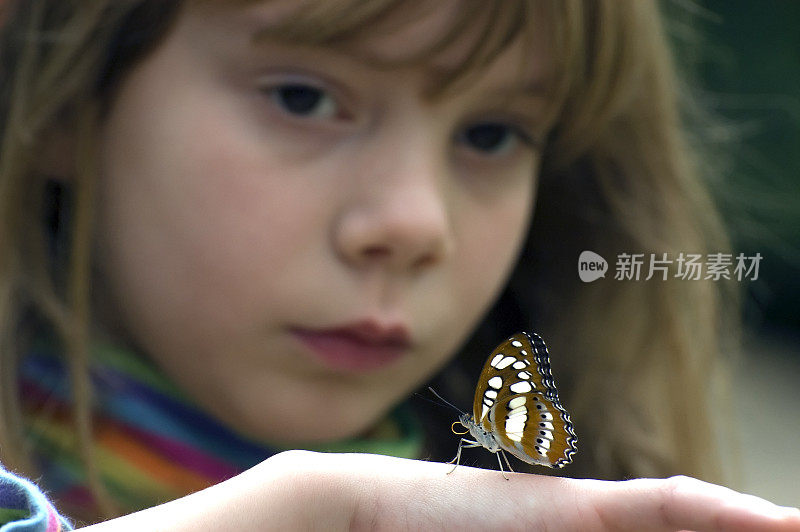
680	503
384	493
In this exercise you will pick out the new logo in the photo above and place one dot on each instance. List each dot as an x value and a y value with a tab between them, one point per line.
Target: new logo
591	266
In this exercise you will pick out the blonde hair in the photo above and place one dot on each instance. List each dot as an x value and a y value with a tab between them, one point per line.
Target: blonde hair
649	353
618	175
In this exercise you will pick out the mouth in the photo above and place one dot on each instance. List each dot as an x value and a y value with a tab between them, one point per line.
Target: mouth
358	347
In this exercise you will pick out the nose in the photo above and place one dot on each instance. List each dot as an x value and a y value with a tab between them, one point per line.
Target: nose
397	219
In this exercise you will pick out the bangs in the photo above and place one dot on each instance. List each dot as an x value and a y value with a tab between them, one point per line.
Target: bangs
481	29
596	54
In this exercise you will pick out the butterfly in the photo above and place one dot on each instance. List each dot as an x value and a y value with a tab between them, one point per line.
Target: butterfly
516	407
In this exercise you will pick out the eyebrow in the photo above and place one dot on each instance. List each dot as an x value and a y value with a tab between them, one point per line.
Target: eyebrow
438	75
534	89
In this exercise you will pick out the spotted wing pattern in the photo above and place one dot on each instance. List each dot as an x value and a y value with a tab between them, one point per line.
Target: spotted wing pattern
517	402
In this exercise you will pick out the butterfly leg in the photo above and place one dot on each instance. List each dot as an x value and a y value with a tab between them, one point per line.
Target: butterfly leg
501	464
505	457
461	445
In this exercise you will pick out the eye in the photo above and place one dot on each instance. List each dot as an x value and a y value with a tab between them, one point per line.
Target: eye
303	100
494	138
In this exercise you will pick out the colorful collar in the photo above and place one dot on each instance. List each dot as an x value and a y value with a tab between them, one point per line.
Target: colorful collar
152	443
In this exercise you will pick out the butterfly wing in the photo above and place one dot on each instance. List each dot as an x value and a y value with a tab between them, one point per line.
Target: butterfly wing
517	401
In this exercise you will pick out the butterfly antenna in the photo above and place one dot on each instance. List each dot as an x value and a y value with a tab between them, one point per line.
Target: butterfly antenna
437	403
445	401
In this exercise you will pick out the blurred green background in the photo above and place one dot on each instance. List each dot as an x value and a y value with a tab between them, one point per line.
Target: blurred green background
745	56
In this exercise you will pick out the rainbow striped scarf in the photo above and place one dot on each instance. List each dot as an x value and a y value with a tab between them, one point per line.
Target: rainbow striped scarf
151	442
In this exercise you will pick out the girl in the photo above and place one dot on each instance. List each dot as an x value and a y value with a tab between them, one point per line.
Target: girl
231	229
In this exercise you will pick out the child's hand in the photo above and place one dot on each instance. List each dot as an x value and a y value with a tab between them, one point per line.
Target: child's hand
303	490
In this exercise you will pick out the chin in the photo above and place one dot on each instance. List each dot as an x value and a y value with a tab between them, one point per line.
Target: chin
315	429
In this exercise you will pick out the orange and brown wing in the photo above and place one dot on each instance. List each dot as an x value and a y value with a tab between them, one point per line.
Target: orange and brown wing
518	402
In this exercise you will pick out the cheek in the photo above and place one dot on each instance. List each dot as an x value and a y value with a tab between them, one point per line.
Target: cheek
192	214
492	236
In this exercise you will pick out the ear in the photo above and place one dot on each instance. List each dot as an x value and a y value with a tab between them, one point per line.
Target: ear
56	158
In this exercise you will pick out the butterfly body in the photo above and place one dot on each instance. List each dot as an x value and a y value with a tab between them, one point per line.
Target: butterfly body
486	439
516	407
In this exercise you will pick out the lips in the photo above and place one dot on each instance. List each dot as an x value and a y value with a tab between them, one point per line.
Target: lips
360	347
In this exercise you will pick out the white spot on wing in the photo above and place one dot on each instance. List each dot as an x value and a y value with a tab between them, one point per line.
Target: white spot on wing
515	427
495	382
507	361
519	411
515	436
497	358
516	343
516	402
491	394
524	375
519	364
521	387
484	411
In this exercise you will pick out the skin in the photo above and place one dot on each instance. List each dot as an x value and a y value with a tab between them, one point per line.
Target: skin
300	490
226	218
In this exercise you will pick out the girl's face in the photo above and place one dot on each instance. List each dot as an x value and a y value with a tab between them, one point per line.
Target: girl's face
298	237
